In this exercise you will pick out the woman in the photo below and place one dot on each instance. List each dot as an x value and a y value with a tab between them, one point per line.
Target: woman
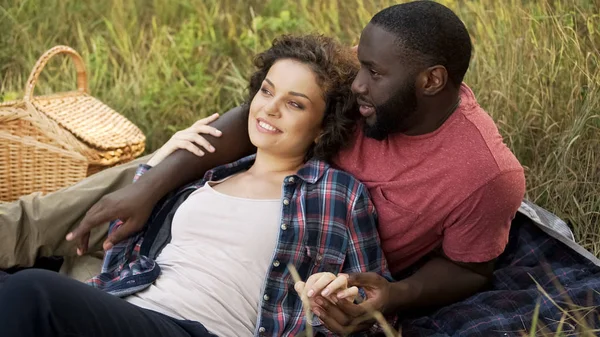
213	258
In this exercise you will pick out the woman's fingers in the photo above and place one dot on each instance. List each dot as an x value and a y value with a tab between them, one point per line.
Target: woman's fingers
321	283
187	145
349	294
340	283
207	120
192	137
196	138
205	129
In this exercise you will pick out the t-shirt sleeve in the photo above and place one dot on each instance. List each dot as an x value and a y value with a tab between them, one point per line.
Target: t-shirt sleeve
477	229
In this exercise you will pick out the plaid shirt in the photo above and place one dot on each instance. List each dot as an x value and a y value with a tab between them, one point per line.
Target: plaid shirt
328	223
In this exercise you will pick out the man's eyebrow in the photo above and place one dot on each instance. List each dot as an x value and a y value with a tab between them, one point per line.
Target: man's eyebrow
368	63
291	92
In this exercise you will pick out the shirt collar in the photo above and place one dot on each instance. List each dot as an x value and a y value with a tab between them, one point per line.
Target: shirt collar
311	172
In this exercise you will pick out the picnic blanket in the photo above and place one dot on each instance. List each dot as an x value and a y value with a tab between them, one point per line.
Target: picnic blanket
539	258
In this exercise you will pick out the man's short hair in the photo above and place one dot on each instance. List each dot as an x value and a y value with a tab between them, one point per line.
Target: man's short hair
429	33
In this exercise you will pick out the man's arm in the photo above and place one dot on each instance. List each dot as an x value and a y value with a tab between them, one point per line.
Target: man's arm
183	167
133	203
438	283
477	230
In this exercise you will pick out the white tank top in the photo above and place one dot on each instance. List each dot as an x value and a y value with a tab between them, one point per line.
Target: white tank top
214	267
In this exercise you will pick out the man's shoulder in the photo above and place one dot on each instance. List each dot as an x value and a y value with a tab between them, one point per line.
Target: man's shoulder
483	133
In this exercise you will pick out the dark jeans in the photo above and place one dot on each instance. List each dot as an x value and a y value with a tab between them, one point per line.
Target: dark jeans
37	302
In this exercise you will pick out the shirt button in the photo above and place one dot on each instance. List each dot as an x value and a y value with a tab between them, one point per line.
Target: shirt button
291	180
283	226
276	263
286	201
266	297
262	329
319	257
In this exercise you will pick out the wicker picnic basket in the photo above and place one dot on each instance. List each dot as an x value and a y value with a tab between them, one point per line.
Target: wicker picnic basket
53	141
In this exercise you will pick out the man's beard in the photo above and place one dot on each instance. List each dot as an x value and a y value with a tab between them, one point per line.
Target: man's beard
391	115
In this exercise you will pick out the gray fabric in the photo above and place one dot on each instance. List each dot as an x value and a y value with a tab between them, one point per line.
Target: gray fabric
555	227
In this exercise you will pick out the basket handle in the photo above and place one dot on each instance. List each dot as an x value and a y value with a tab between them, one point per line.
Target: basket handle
82	83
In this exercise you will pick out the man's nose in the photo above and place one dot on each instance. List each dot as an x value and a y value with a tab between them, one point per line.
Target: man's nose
358	86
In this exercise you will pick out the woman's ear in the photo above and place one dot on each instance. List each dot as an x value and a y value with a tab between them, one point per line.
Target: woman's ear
318	139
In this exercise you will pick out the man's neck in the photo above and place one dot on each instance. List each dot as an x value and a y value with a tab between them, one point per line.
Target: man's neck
435	111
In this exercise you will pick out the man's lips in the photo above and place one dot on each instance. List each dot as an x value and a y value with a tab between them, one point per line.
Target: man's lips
366	109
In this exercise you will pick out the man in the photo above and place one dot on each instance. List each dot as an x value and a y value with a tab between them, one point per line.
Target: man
444	184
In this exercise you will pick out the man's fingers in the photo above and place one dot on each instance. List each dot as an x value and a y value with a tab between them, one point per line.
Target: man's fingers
363	279
94	217
320	284
351	309
340	283
83	244
121	233
330	322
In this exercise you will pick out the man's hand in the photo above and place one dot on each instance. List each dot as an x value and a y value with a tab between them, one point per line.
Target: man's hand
345	317
131	204
359	317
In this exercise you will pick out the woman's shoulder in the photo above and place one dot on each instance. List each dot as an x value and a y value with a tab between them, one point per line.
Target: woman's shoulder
341	180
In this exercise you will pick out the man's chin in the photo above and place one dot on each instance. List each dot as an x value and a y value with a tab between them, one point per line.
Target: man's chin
371	120
375	131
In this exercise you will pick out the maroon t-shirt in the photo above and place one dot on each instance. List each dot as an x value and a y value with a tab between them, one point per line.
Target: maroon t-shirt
458	187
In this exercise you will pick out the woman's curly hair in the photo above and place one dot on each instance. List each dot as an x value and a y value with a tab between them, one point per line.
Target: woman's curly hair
335	67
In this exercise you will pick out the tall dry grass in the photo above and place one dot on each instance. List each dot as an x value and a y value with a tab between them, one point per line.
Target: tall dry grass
166	63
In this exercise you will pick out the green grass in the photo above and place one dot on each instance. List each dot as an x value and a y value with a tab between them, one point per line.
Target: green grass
166	63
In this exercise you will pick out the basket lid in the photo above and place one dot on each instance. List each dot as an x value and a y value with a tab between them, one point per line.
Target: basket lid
90	120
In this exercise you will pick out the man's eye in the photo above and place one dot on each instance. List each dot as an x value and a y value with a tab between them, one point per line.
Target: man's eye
373	72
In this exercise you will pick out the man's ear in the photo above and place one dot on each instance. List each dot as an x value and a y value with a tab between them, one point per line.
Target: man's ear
432	80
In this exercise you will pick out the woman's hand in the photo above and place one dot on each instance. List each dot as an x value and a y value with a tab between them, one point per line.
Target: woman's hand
188	139
333	288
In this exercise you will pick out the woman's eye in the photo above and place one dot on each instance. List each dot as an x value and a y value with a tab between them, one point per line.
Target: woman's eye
265	91
296	105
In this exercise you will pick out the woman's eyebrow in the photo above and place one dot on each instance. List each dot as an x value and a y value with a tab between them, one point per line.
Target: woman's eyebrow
290	92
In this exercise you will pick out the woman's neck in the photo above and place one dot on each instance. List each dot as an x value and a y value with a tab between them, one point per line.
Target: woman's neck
269	164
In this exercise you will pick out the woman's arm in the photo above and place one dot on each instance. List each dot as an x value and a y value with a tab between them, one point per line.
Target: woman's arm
364	254
133	204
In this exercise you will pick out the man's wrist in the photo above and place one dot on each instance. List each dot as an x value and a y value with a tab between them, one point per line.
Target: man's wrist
402	295
151	187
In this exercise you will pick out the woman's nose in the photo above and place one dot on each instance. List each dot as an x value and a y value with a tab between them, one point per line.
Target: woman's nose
272	109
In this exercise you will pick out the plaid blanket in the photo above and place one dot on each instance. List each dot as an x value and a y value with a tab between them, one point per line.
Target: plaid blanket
536	270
